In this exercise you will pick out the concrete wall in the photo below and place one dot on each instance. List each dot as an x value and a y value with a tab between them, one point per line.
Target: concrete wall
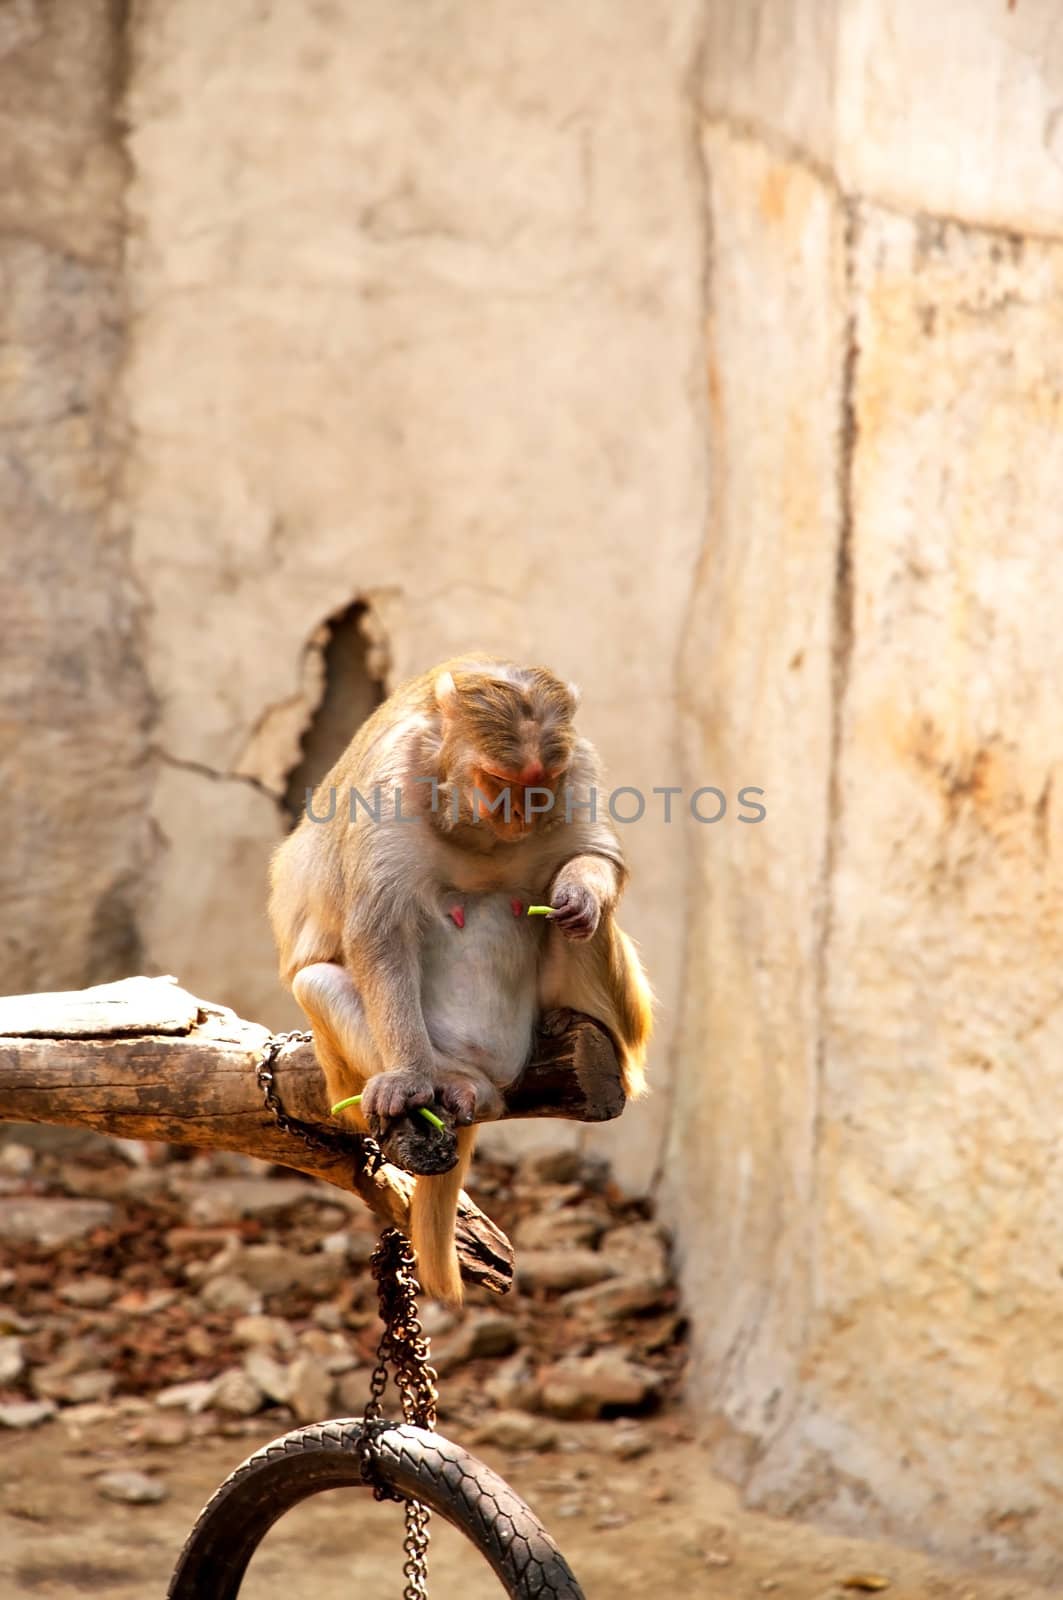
414	321
447	311
876	991
74	700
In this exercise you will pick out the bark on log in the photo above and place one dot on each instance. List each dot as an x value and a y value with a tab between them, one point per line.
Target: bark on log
143	1059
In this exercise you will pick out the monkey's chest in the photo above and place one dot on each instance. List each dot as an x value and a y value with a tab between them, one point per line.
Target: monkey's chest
479	980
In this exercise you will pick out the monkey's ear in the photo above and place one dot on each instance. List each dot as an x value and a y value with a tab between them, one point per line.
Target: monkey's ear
446	693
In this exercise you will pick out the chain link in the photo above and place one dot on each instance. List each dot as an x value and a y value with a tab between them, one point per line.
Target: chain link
403	1350
313	1138
403	1347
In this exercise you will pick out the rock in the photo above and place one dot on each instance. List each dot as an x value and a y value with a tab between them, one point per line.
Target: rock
89	1414
272	1269
199	1342
360	1247
25	1413
131	1488
352	1393
515	1430
194	1397
437	1319
163	1433
85	1182
550	1230
563	1269
491	1333
611	1519
269	1267
627	1441
335	1244
144	1302
147	1184
328	1316
333	1350
343	1361
514	1386
639	1251
484	1333
226	1199
617	1297
310	1392
272	1377
12	1361
51	1223
237	1393
585	1386
230	1293
55	1382
73	1355
16	1161
92	1292
262	1332
217	1265
552	1166
131	1405
12	1321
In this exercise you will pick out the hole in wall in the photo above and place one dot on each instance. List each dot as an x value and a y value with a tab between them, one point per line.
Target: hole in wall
352	694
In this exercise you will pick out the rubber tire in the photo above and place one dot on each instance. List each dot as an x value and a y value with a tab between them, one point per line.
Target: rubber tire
418	1464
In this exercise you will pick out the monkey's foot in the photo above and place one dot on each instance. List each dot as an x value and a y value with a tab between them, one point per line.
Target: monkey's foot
393	1094
412	1143
467	1099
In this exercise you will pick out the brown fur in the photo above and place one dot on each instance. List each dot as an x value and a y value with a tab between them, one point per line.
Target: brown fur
351	905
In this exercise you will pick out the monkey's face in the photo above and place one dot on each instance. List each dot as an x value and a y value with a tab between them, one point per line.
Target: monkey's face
513	803
507	742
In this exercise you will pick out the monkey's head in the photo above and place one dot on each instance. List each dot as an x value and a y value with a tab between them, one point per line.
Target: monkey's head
506	731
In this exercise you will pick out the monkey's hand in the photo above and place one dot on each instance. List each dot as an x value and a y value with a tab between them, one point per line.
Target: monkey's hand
388	1095
576	910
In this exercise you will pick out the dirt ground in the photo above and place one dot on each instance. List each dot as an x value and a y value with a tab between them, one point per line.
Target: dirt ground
626	1527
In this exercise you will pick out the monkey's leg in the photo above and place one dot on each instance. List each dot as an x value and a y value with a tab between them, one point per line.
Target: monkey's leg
342	1041
350	1060
468	1094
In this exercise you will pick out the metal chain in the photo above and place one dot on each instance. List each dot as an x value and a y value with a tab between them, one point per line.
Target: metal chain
403	1345
313	1138
403	1350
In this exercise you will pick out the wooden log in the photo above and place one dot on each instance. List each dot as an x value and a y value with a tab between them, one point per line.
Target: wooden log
143	1059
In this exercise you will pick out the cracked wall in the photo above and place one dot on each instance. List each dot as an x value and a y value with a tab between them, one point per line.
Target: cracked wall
872	978
414	321
74	704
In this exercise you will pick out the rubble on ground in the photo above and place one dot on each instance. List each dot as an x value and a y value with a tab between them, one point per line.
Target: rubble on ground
192	1294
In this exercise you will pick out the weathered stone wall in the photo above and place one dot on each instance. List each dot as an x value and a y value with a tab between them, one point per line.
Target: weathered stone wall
73	694
415	310
878	967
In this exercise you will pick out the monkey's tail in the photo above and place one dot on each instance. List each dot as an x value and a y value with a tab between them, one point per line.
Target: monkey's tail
633	999
433	1213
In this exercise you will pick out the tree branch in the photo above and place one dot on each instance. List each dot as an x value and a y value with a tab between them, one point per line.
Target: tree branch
143	1059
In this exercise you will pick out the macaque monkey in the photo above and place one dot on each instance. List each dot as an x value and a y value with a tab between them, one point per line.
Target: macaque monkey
401	917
